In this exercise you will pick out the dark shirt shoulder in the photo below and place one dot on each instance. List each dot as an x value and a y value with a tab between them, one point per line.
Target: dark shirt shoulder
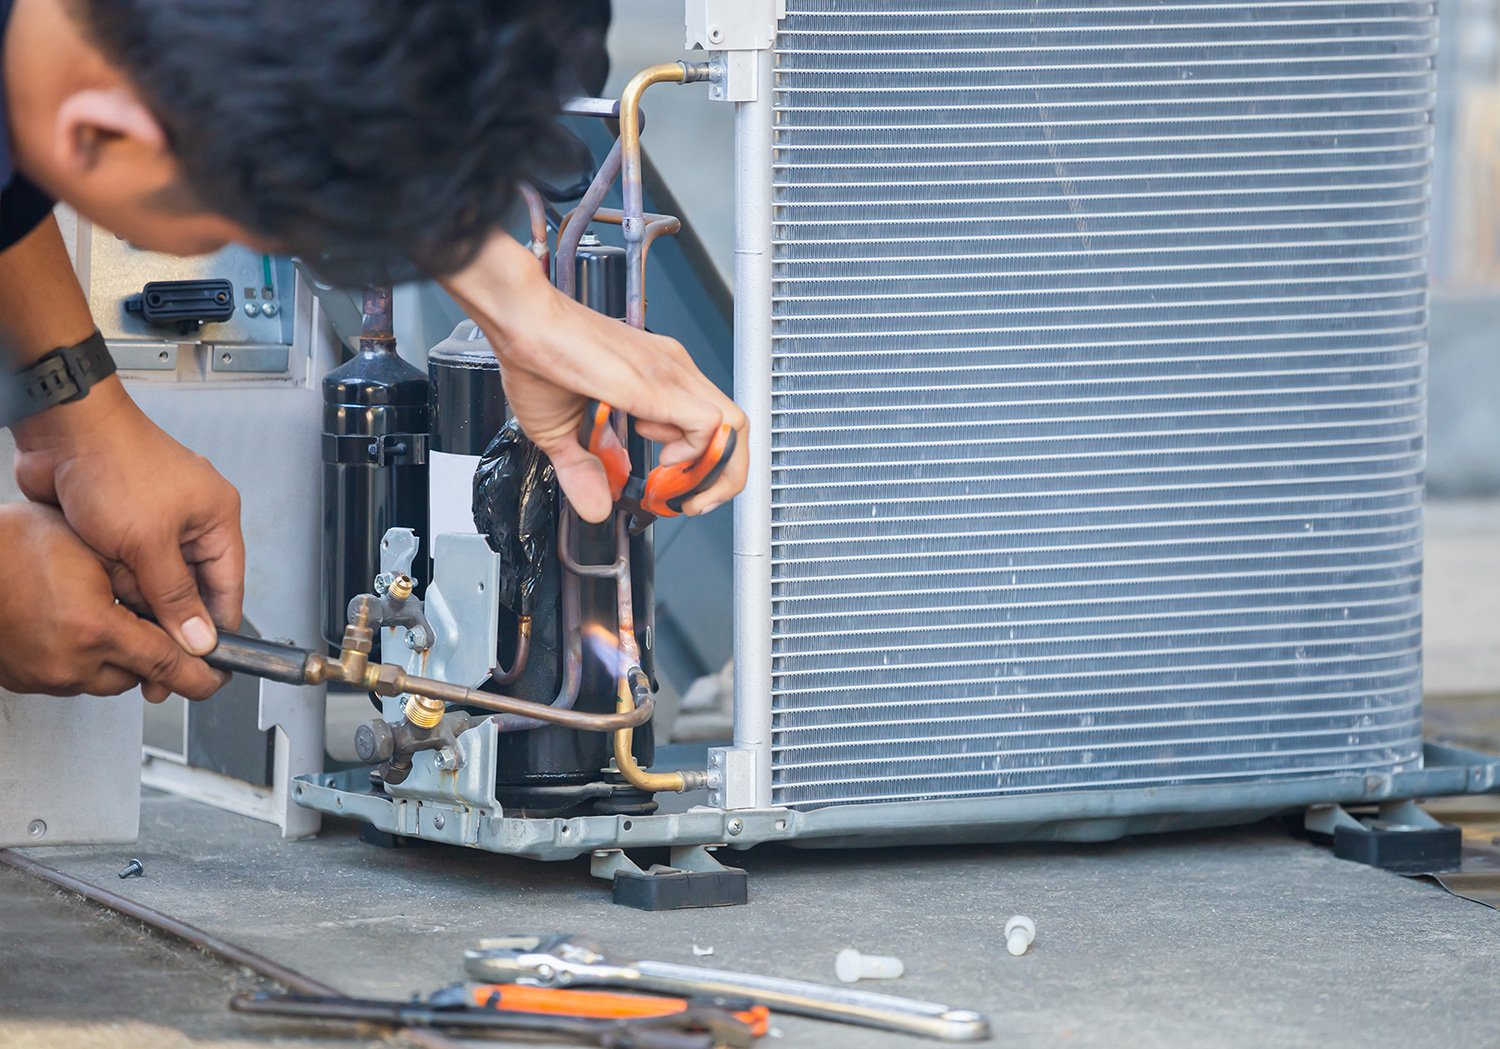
22	209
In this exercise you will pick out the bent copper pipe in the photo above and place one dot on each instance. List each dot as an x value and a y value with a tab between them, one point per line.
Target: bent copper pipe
631	186
569	234
656	226
523	653
538	212
572	683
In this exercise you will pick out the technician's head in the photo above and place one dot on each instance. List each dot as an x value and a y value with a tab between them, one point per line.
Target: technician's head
355	132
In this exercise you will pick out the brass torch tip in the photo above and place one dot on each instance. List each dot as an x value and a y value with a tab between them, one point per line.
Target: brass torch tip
425	713
401	587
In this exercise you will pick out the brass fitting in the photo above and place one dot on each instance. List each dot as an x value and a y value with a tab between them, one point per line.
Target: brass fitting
424	712
401	586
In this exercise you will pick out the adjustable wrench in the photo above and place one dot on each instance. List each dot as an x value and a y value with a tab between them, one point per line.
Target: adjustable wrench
561	960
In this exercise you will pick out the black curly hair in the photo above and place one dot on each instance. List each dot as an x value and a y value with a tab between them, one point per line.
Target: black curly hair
359	134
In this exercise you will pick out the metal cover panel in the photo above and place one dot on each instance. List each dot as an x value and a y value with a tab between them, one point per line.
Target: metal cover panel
1097	393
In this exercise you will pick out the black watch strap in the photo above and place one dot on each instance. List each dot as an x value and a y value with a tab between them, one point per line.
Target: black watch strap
63	375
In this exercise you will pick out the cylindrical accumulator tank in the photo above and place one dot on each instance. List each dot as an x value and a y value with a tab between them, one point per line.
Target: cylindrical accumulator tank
467	410
599	276
374	462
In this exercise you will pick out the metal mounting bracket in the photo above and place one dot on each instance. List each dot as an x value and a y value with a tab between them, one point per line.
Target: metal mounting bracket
733	25
735	31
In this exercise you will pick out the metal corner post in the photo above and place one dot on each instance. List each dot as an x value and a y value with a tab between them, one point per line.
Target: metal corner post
754	144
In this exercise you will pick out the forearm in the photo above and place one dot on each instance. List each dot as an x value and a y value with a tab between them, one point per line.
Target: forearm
504	275
41	305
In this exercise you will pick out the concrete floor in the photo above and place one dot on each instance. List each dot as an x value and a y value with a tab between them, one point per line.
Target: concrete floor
79	976
1238	937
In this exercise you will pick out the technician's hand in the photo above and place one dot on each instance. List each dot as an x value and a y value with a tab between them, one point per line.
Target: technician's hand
555	353
64	634
162	518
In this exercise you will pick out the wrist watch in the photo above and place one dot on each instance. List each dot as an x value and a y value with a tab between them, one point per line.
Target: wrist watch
62	376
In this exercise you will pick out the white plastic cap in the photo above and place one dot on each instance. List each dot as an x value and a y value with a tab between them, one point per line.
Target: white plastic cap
850	966
1019	932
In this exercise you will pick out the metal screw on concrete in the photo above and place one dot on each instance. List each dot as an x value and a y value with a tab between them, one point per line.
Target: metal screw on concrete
133	869
36	829
735	825
252	309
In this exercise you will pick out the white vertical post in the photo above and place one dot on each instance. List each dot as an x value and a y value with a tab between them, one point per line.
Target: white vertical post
747	779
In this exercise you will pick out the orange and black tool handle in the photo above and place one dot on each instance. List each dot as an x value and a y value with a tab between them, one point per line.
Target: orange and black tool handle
599	439
610	1005
667	487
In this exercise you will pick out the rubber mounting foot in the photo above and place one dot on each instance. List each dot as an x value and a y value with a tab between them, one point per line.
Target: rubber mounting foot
676	890
1417	850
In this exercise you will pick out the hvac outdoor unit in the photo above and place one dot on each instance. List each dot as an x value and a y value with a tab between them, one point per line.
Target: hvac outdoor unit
1083	349
1088	392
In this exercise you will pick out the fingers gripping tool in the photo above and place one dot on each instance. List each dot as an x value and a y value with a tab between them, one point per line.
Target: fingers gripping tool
662	492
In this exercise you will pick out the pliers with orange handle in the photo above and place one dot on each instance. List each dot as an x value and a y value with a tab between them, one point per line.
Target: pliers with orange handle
610	1005
662	492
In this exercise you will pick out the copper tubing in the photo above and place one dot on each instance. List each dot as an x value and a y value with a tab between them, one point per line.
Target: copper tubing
538	212
678	782
567	247
657	225
567	241
568	528
632	686
629	697
631	188
523	653
572	682
353	667
458	695
588	106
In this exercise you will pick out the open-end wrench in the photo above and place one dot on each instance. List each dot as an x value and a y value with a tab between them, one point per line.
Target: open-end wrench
561	960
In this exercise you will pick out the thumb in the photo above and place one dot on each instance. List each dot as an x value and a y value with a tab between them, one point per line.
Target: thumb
582	479
170	588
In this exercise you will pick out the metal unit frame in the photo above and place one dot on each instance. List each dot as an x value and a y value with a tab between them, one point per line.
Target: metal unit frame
460	810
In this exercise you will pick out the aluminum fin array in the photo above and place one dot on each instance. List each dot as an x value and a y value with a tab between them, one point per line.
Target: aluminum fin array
1098	394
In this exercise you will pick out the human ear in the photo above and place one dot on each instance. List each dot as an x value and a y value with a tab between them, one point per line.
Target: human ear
88	120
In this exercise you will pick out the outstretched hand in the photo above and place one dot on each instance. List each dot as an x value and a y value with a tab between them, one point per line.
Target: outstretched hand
555	353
